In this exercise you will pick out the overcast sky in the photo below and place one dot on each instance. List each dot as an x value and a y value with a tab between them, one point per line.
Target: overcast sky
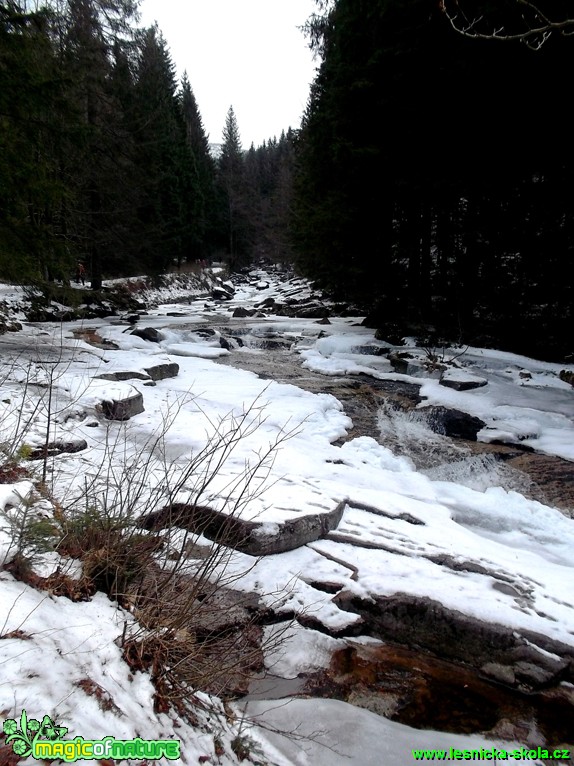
245	53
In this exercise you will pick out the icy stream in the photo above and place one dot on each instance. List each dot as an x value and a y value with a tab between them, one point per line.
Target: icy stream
433	548
398	682
386	412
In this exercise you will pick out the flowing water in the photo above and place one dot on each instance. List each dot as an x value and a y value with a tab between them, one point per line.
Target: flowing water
386	411
403	683
400	682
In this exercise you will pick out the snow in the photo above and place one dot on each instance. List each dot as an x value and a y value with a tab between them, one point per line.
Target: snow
63	651
333	733
194	349
396	522
294	650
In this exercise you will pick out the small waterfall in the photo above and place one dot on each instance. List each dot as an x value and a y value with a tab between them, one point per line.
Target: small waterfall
409	434
440	458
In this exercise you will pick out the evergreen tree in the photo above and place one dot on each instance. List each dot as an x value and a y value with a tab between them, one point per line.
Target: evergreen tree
417	165
203	200
102	158
31	191
268	190
163	160
231	176
93	139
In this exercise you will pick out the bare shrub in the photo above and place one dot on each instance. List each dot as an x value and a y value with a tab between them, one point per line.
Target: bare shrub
194	629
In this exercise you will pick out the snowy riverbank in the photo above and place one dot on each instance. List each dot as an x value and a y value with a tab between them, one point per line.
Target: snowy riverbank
489	555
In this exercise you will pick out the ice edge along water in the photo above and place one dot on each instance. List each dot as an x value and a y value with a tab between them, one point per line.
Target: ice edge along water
521	541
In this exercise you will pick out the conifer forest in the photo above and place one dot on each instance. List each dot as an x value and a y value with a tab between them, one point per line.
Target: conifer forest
430	183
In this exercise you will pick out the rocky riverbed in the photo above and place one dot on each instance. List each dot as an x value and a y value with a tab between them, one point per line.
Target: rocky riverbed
418	565
409	684
546	478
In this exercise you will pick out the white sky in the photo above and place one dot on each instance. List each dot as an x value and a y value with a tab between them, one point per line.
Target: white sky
245	53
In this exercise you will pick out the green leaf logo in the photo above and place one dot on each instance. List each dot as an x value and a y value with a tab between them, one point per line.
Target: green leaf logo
24	738
21	743
33	725
19	747
10	726
50	730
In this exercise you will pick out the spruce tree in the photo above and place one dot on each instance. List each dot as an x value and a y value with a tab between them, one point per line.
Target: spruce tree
95	164
418	163
31	191
203	199
231	175
163	161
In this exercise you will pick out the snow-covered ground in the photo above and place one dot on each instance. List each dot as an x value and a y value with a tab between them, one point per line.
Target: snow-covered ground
392	548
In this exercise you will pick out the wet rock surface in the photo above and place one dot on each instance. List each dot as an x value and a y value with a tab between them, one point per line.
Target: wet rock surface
423	691
450	672
494	650
545	478
251	537
454	423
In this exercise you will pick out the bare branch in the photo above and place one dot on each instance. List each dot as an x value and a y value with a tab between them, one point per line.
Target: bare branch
531	25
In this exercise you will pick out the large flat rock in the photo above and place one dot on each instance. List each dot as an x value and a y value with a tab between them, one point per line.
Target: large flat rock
252	537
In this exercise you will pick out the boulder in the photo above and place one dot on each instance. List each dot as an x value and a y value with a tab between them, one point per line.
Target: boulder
222	290
206	332
461	380
156	372
528	661
241	312
312	311
400	361
455	423
58	447
406	364
267	303
163	370
148	333
218	293
122	409
252	537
